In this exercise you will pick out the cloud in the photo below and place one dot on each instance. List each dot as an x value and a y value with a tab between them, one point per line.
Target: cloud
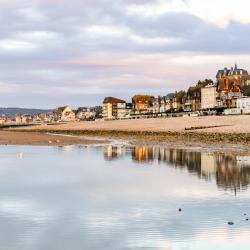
220	12
15	45
32	14
119	47
157	8
38	35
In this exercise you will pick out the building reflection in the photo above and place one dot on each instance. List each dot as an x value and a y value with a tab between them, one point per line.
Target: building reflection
143	154
115	152
231	171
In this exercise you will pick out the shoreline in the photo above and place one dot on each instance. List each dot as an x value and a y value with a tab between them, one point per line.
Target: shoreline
54	137
153	136
10	137
207	131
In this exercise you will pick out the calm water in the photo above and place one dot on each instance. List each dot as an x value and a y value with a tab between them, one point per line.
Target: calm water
117	197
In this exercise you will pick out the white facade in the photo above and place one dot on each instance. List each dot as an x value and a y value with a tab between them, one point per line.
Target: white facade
121	110
243	105
107	109
162	105
65	114
86	113
208	97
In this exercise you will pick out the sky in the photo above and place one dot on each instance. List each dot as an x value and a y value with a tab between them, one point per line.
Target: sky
60	52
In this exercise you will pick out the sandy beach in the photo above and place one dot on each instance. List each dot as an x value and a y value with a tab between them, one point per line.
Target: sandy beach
217	124
184	130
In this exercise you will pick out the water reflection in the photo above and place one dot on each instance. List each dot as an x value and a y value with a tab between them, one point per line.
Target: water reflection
231	171
60	198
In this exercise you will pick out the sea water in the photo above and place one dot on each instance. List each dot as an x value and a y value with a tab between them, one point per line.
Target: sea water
123	197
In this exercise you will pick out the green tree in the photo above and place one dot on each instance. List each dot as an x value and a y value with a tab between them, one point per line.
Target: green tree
246	90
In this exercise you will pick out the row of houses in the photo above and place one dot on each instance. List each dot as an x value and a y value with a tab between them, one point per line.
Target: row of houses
230	93
5	120
61	114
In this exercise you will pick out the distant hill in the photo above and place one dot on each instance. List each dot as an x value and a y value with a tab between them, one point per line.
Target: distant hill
11	112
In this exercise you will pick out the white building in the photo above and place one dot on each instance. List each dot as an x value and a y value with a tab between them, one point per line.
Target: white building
123	110
243	105
208	97
65	114
114	108
85	113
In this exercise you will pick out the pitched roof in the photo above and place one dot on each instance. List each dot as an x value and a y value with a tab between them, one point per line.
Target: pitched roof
171	96
113	100
232	71
61	109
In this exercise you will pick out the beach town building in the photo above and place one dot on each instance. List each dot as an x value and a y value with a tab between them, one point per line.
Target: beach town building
121	110
44	117
163	104
18	119
232	79
170	102
187	104
48	117
124	110
85	113
9	120
208	97
176	104
2	120
98	111
27	119
230	83
142	104
39	118
23	119
178	101
65	114
192	99
157	105
228	100
129	108
112	107
243	105
191	105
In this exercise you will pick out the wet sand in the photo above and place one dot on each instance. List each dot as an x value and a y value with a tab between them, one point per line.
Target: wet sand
42	139
213	130
184	130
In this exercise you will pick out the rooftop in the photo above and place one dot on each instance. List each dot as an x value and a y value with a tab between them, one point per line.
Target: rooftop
113	100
